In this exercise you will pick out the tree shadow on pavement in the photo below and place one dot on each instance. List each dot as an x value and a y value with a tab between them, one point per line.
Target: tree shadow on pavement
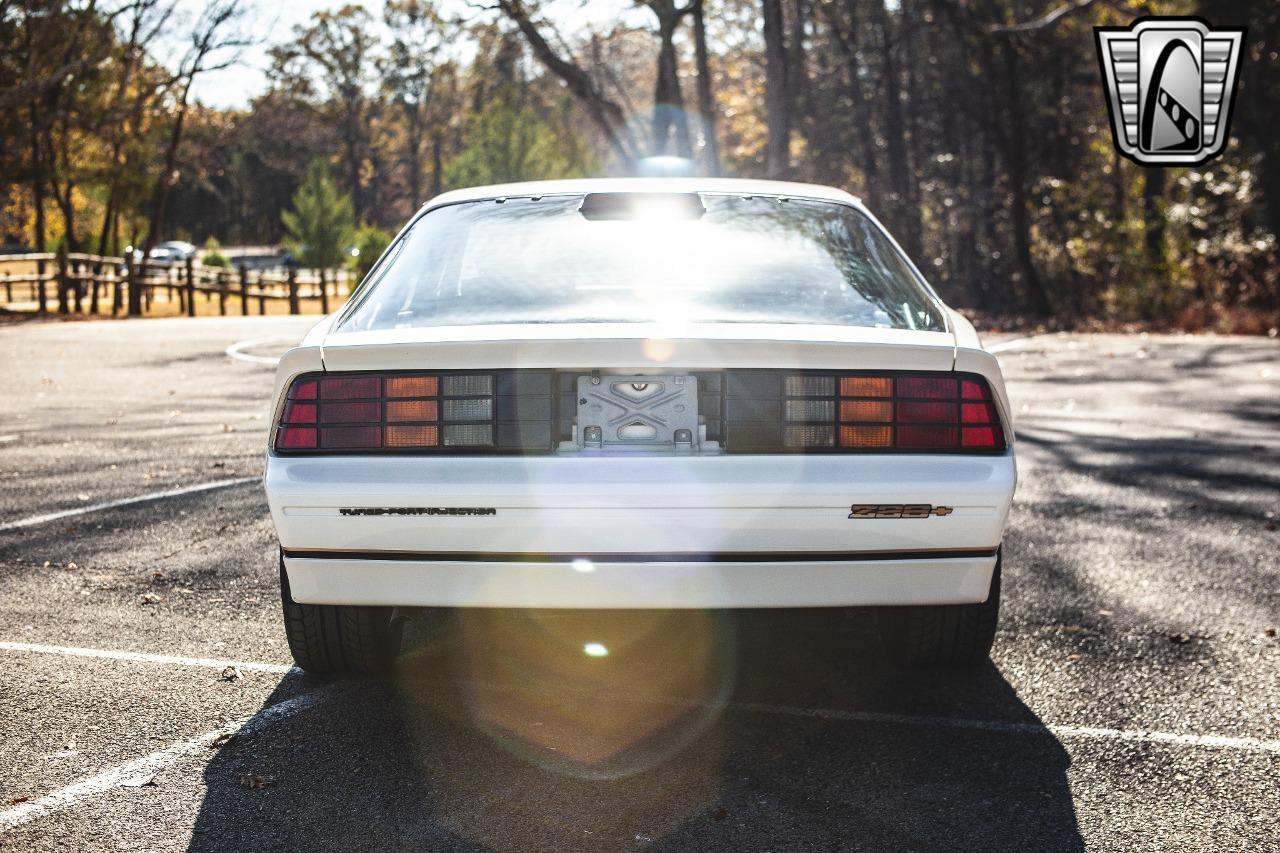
687	730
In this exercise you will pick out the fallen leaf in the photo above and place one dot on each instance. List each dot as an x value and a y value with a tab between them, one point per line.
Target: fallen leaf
222	740
1270	632
1180	639
17	800
150	598
232	673
253	780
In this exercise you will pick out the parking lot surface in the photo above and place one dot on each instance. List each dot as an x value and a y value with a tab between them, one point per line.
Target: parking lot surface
147	701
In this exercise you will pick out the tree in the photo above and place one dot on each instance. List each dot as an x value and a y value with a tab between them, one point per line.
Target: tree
319	227
215	44
341	44
605	112
777	95
668	101
510	141
419	35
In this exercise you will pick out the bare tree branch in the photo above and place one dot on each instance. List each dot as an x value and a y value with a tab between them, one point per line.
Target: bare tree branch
1044	22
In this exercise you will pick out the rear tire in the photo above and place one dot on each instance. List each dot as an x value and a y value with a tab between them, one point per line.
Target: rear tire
942	635
334	639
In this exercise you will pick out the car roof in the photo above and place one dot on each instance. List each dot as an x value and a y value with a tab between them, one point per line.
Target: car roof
678	185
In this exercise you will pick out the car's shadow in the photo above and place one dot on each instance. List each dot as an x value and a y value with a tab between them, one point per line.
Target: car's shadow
676	731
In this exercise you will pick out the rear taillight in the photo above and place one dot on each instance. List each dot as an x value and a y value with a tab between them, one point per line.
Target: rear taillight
869	413
509	410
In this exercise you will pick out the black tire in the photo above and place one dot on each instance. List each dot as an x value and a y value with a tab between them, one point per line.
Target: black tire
942	635
333	639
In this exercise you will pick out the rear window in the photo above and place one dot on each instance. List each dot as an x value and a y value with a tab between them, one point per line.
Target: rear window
728	259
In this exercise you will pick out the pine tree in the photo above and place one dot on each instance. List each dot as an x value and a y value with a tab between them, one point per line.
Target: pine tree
319	225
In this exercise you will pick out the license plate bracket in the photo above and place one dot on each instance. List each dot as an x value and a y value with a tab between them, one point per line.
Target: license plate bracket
638	412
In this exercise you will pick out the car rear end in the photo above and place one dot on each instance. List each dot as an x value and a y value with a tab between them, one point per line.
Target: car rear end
639	465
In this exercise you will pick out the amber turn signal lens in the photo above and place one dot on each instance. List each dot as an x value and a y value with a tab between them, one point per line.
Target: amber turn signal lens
411	410
411	436
866	410
866	436
866	386
412	386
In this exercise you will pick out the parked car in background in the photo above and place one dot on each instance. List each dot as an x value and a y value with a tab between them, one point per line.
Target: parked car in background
173	251
641	393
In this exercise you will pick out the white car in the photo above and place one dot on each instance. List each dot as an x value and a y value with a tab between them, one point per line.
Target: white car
640	393
174	251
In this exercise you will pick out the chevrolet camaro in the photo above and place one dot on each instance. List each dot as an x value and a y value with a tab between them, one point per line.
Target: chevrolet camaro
640	393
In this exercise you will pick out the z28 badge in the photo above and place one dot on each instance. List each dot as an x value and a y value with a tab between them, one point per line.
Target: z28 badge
897	510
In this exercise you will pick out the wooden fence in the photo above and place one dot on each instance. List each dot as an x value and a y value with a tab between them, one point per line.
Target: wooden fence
102	285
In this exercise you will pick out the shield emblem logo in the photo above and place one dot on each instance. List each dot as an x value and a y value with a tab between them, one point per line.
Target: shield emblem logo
1170	85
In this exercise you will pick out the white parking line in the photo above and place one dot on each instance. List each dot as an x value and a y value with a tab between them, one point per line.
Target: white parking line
148	765
154	496
235	351
1246	744
143	657
1015	343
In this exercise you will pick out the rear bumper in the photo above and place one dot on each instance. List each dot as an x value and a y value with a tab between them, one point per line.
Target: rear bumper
662	532
724	581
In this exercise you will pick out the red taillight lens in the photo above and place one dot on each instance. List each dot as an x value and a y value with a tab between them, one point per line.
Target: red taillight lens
373	412
295	438
928	413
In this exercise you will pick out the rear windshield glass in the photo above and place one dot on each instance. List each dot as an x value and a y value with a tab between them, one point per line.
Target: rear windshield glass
757	259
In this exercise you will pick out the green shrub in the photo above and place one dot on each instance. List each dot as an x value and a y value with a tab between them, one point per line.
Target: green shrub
372	241
213	256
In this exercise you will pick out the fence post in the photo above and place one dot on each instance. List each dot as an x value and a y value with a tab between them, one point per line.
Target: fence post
63	283
244	290
8	289
262	294
324	291
135	273
292	275
77	282
41	289
97	268
191	286
222	292
117	298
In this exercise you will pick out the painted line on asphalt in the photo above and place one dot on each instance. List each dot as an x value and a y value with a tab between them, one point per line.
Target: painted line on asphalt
1246	744
143	657
1015	343
235	351
154	496
138	771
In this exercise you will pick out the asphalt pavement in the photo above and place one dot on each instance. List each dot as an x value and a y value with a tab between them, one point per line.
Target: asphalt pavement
147	703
